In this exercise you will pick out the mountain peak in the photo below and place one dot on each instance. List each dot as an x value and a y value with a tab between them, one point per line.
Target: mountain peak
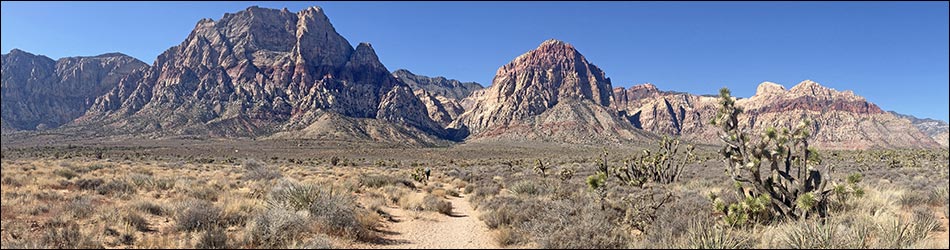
806	84
769	88
645	87
550	87
18	51
364	55
554	42
556	45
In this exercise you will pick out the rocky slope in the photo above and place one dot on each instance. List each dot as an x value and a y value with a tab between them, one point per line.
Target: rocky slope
937	129
442	97
551	93
841	119
439	86
39	93
258	72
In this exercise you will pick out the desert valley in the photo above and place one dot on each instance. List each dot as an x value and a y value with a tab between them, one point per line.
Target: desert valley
266	128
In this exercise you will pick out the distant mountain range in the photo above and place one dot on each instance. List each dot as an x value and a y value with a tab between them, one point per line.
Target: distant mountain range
267	73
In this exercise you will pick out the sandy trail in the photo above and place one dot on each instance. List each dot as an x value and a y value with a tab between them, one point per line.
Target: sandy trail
432	230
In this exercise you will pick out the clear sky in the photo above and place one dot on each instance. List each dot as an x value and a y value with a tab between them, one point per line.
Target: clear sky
893	53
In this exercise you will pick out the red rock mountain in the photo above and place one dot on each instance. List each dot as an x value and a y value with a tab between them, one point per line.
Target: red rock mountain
39	93
263	71
267	73
840	119
551	93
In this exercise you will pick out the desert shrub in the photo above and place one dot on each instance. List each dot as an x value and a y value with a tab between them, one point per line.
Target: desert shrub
436	204
318	241
705	235
294	196
812	235
482	192
149	182
80	207
505	236
11	182
376	181
571	224
899	233
375	202
640	207
94	167
65	173
461	174
200	192
527	187
149	207
136	221
393	194
334	160
452	192
334	211
913	199
589	233
194	214
236	211
141	180
506	211
68	235
675	220
116	188
939	196
276	227
338	214
214	238
89	184
256	170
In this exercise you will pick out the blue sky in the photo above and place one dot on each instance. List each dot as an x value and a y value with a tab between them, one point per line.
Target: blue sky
893	53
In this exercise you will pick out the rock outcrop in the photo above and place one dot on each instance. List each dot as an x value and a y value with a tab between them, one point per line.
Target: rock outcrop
258	72
39	93
551	93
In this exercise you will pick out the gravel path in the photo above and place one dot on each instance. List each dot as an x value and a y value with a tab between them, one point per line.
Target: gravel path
460	230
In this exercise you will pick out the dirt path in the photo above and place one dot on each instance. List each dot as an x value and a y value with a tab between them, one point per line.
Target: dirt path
460	230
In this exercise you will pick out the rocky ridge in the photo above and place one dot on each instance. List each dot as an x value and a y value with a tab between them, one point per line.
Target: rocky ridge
840	119
40	93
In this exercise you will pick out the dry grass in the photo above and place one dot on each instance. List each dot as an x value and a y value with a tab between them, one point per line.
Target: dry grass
301	200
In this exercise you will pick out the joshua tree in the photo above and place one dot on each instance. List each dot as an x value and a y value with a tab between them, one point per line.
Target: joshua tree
660	167
778	171
598	181
541	168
